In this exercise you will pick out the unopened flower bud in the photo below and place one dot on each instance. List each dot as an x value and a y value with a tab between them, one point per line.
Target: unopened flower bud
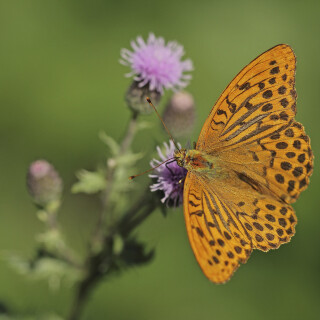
179	114
43	182
136	98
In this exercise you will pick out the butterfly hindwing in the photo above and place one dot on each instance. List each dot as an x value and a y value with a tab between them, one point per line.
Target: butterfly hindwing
268	221
227	219
217	238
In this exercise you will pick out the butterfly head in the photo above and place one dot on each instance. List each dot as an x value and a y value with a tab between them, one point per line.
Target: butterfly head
180	157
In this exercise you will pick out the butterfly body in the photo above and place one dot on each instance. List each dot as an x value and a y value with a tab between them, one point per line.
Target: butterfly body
197	161
252	160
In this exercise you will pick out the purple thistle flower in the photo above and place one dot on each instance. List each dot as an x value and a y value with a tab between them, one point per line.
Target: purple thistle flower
168	176
157	64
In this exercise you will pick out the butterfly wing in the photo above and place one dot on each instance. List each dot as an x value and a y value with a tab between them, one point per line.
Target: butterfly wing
264	88
217	238
252	126
265	160
228	217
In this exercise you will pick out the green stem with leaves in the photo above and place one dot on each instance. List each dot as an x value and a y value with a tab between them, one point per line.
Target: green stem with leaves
102	259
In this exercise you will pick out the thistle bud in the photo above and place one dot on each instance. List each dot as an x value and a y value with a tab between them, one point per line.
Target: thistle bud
136	98
44	183
179	114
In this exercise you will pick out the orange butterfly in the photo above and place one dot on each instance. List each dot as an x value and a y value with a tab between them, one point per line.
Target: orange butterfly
251	161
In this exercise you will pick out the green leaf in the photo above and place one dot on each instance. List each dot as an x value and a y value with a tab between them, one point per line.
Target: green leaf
135	253
45	268
52	240
117	244
110	142
129	159
89	182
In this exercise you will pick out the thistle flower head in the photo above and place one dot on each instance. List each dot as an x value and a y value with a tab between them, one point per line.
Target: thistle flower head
43	182
169	178
157	64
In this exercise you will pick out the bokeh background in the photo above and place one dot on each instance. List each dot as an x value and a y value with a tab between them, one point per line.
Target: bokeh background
61	83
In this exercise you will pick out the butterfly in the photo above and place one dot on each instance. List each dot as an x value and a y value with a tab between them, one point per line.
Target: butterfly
251	161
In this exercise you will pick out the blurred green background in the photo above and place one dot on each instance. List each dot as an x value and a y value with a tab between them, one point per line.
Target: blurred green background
60	83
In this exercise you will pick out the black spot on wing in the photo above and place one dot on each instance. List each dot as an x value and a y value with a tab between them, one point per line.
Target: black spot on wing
220	112
192	194
193	204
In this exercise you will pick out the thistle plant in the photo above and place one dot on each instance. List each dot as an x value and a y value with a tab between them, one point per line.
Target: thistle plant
113	248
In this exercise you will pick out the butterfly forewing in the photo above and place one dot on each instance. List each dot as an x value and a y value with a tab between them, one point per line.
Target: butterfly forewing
265	160
259	100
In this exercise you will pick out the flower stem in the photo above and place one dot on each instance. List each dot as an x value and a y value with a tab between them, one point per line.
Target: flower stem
131	130
61	251
85	288
125	145
91	278
80	300
101	259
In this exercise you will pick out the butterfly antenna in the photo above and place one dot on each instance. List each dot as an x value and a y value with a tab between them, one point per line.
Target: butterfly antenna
171	137
160	164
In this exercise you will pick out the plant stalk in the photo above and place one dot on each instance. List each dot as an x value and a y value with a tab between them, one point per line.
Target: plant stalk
132	219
